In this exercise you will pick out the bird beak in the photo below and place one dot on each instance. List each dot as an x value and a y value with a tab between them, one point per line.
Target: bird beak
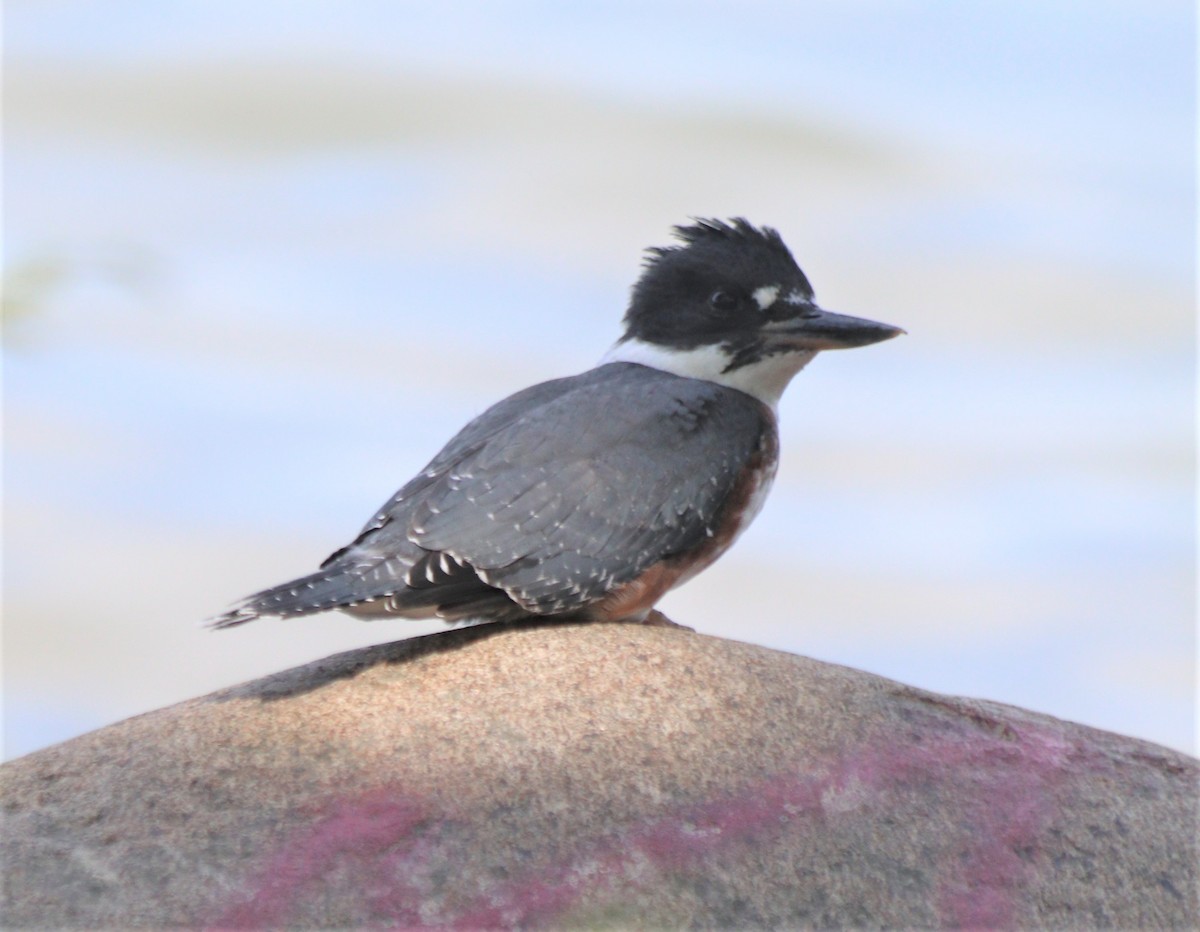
814	329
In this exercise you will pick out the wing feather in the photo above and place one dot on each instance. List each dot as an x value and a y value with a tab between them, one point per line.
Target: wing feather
562	504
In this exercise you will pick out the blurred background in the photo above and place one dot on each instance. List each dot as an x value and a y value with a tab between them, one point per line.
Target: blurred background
262	259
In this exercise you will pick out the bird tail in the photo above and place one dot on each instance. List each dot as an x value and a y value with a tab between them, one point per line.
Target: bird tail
413	585
337	585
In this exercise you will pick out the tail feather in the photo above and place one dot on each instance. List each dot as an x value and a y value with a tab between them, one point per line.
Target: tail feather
419	585
336	586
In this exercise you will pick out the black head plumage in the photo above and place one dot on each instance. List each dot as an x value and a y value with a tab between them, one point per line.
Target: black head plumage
675	302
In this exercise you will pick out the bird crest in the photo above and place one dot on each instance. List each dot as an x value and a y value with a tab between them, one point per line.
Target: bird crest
709	231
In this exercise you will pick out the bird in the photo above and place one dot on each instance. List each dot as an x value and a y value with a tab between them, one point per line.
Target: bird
591	496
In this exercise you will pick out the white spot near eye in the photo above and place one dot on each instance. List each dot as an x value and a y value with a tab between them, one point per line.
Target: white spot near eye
765	296
797	297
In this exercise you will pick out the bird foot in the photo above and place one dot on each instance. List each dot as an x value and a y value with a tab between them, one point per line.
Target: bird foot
658	620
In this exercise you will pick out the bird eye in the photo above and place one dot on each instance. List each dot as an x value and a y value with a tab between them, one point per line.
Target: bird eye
723	301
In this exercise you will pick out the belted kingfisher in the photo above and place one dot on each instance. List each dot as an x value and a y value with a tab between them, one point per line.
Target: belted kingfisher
591	496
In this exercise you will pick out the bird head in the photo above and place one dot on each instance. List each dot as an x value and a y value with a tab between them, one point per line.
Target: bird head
732	306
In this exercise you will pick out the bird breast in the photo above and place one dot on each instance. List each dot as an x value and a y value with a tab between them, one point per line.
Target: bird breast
746	500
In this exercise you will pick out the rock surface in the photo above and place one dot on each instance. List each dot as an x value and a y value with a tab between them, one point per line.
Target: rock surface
602	775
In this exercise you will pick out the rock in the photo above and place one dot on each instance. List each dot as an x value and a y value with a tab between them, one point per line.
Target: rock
596	775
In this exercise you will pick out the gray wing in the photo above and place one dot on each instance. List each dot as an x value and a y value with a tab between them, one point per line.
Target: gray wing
466	442
564	492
